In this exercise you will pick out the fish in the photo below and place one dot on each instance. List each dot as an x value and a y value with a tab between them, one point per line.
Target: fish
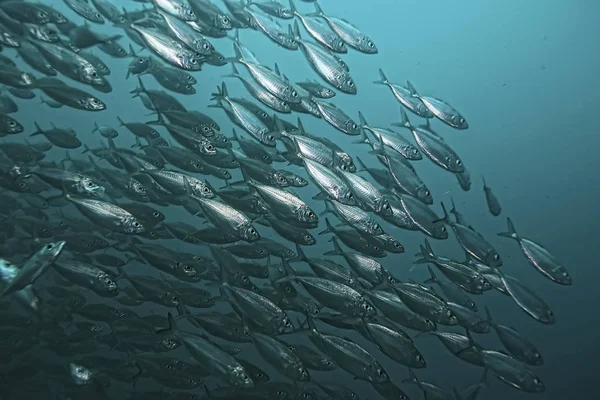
541	259
331	68
348	32
440	109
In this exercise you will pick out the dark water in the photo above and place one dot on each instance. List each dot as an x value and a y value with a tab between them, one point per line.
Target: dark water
525	76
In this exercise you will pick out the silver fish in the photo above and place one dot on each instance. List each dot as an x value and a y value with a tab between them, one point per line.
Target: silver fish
404	97
539	257
328	66
442	110
337	118
169	49
348	32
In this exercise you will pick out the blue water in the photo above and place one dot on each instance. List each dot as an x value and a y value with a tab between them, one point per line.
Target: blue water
525	75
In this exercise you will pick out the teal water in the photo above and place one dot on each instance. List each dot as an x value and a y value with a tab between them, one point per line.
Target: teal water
525	75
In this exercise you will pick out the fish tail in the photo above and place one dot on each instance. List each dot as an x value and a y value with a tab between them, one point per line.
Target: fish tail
337	250
384	80
293	8
512	233
411	88
490	321
330	229
297	31
446	217
433	278
301	256
412	378
38	130
361	164
328	209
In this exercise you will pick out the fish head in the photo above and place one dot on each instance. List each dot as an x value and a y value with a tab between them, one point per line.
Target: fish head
41	16
531	383
283	324
279	179
9	125
493	259
383	207
108	284
89	74
366	45
533	356
307	239
345	83
563	277
91	103
170	299
459	122
301	373
8	271
238	377
307	216
365	309
410	152
87	186
339	46
439	230
191	61
80	374
204	129
185	12
139	65
326	364
347	198
201	189
424	195
50	252
183	268
418	361
326	93
376	373
131	225
249	233
56	17
203	46
352	127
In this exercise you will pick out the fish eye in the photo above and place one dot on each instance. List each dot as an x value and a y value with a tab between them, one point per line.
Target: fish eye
49	247
354	126
264	115
536	381
496	256
194	61
427	193
210	147
12	123
156	214
350	83
370	44
271	138
458	162
376	248
294	94
287	322
443	229
187	268
136	224
188	87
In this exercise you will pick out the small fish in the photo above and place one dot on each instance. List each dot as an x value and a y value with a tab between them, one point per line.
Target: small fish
491	199
440	109
539	257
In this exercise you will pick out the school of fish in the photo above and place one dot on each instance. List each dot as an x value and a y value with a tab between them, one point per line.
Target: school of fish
104	294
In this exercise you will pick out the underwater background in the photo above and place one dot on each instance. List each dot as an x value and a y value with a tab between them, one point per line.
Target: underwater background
524	75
